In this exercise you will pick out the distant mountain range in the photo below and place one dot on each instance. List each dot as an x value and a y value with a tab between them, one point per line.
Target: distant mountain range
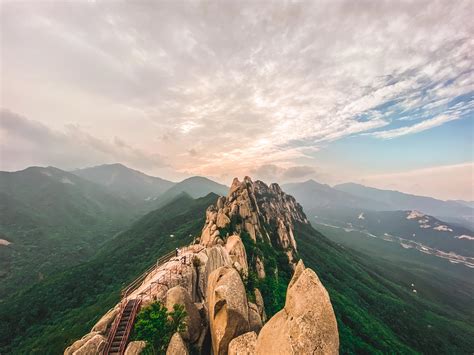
410	229
51	218
316	197
465	203
127	183
392	216
450	211
313	195
195	187
140	188
381	306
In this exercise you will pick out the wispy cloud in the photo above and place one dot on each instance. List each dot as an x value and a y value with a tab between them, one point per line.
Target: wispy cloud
29	141
419	127
224	88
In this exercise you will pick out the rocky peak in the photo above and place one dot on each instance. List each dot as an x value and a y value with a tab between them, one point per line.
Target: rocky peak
264	212
224	311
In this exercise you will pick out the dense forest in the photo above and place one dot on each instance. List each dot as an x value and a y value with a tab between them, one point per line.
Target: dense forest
376	311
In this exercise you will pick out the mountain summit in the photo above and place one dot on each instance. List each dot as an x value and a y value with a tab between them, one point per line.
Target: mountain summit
240	283
266	213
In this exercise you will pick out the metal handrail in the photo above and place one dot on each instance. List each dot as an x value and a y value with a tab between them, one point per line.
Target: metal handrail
128	329
163	280
136	283
113	329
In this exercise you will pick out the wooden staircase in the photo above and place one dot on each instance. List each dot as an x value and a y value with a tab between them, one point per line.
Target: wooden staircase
123	325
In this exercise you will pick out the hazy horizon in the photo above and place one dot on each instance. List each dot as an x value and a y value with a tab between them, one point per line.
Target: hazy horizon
377	93
240	177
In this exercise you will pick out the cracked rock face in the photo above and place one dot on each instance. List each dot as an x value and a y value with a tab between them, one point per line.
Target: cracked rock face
179	295
228	308
264	212
237	254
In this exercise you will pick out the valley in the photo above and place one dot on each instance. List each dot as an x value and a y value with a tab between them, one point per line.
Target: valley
402	242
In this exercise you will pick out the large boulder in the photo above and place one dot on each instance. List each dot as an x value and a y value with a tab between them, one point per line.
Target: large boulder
177	346
178	295
217	257
79	343
236	250
105	322
94	345
135	347
210	260
222	220
228	309
306	325
210	233
243	344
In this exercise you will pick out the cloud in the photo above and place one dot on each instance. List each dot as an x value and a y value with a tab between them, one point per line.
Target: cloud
245	84
272	172
419	127
297	172
193	152
31	141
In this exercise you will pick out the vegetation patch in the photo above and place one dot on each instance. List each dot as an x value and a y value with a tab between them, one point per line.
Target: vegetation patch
156	326
277	270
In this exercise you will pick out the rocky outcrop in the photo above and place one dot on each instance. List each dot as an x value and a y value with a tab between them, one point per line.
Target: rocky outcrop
306	325
228	308
260	305
209	260
236	250
106	321
79	343
255	321
95	345
135	348
179	295
243	344
177	346
260	268
264	212
207	278
210	233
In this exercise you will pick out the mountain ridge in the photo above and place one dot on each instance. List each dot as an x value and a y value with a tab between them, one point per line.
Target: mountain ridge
53	218
448	210
375	311
126	182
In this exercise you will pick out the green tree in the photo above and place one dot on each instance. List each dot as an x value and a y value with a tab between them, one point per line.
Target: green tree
156	326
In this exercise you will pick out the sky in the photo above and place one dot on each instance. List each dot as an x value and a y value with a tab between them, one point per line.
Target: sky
375	92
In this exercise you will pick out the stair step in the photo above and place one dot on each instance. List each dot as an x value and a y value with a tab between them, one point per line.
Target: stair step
125	320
